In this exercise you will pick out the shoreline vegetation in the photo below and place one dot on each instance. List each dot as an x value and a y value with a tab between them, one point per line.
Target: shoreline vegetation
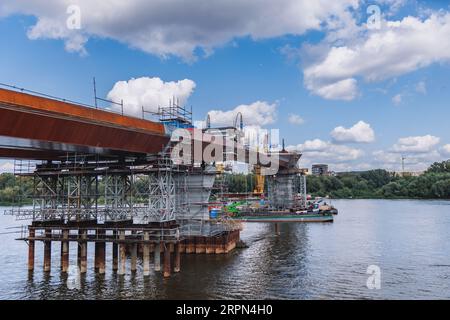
434	183
373	184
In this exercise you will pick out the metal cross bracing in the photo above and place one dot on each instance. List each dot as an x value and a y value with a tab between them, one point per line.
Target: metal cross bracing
77	190
302	198
161	197
118	199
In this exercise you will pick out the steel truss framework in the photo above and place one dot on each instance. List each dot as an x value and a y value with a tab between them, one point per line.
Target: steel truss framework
74	191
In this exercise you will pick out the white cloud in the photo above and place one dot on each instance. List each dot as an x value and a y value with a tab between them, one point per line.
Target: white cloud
394	5
413	162
259	113
421	87
445	150
418	153
150	93
295	119
6	166
418	144
176	27
361	132
313	145
341	90
47	28
397	48
322	151
397	99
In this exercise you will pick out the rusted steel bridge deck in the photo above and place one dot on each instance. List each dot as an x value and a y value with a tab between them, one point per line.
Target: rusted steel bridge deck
40	128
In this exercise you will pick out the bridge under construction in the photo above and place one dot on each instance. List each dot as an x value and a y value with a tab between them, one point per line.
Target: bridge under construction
107	178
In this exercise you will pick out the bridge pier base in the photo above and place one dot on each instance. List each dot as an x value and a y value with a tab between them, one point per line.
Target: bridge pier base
115	253
31	249
167	266
146	255
177	258
277	229
134	257
122	253
157	256
101	252
65	251
47	250
83	252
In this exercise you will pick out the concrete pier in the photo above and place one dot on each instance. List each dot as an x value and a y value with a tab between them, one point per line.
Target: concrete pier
83	251
79	250
31	234
122	253
47	250
146	255
157	256
115	253
96	252
134	257
177	258
101	252
65	251
167	266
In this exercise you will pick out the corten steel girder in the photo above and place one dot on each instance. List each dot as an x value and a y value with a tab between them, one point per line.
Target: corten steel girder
33	127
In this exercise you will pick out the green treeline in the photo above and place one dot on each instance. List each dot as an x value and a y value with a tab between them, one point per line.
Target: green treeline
10	188
433	184
239	183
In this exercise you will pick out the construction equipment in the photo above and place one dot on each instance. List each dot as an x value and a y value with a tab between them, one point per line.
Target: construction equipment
259	178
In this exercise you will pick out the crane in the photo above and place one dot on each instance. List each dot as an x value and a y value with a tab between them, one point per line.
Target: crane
259	178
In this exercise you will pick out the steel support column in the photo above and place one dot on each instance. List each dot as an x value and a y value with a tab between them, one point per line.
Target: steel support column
65	251
47	250
146	254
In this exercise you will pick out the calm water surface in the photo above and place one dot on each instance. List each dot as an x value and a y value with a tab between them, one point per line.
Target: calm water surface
408	240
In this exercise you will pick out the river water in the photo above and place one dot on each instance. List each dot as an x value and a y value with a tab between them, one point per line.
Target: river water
408	240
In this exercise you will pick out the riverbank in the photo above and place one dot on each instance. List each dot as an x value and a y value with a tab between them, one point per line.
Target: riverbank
381	184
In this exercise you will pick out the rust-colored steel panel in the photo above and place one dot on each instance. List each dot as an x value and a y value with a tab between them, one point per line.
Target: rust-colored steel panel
44	128
57	126
40	104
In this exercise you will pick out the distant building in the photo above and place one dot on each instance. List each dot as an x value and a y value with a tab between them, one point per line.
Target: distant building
304	171
407	173
320	170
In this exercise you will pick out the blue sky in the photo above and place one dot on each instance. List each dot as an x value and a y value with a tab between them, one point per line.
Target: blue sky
293	68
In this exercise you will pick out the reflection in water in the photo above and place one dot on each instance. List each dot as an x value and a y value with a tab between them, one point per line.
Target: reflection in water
408	240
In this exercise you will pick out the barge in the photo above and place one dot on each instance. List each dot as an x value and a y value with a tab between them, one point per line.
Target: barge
284	217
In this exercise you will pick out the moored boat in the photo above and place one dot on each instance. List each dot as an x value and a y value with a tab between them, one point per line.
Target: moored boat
284	217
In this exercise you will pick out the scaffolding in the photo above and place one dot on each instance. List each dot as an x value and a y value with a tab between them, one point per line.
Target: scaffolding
77	189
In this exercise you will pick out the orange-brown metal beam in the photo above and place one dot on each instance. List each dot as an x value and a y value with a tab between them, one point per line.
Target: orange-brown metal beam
34	103
51	125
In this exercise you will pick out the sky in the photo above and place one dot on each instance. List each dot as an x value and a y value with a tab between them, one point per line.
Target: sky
355	84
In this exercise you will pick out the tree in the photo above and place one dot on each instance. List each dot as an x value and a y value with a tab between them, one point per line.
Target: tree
377	178
439	167
441	189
